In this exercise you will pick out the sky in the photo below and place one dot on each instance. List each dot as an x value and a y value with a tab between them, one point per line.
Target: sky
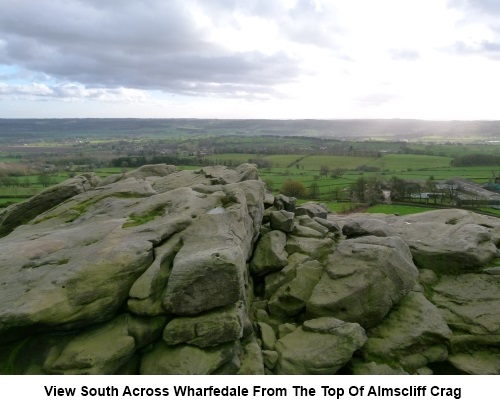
268	59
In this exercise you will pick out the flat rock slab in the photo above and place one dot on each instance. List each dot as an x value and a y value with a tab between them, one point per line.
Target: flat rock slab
470	303
450	241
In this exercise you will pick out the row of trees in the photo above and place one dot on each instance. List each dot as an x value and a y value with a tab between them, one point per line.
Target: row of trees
43	179
476	160
371	190
362	190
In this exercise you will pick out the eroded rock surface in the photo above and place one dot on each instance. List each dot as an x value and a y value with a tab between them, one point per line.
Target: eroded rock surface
365	277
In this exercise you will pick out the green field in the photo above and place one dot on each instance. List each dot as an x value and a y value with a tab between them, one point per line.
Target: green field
5	202
283	161
400	162
395	209
347	162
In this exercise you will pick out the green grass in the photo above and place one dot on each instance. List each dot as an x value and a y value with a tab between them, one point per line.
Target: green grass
4	159
283	161
342	207
400	162
348	162
5	202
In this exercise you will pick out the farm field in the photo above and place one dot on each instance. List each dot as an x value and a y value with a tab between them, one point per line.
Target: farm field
348	162
400	162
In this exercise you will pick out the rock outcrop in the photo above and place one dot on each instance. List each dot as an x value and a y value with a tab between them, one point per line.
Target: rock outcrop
160	271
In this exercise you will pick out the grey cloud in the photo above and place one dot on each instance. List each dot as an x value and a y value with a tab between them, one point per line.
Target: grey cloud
124	43
40	91
487	49
486	6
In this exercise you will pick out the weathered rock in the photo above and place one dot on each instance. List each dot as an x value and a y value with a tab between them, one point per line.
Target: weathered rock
142	173
267	336
291	298
359	368
270	358
319	346
35	355
67	278
188	360
275	281
209	176
104	349
308	222
470	303
282	220
252	362
286	328
270	254
25	211
28	356
364	227
268	200
494	271
312	210
146	294
206	274
412	335
261	315
243	172
210	269
206	330
306	232
333	228
313	247
283	202
365	277
266	218
477	362
450	241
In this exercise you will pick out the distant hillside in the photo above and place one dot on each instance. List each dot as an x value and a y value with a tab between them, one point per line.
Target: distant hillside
397	129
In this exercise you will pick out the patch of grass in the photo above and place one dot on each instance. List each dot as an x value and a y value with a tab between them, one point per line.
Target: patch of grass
5	202
396	209
348	162
415	162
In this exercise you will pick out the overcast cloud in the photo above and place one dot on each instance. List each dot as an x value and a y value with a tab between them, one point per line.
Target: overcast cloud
249	58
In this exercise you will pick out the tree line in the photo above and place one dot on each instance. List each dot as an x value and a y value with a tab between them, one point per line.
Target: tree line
477	159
